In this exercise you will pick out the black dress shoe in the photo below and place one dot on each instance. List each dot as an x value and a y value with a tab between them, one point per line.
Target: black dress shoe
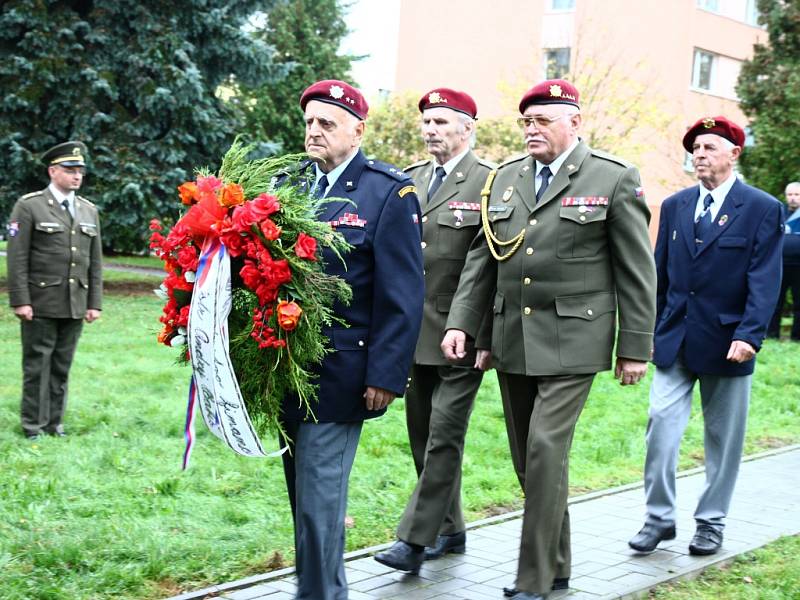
445	544
402	556
649	537
706	540
559	583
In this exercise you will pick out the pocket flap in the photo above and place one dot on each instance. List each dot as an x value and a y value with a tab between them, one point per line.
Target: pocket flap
89	230
45	282
501	212
468	219
49	227
354	338
730	241
499	300
586	306
443	302
589	214
352	235
729	318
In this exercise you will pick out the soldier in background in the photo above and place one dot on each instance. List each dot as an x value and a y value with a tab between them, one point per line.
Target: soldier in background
440	396
54	284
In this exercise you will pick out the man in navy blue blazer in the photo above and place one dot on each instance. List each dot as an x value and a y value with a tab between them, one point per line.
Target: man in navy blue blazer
379	216
791	265
718	261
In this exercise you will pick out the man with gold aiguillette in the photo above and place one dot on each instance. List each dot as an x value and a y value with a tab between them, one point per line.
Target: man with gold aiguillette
566	254
54	284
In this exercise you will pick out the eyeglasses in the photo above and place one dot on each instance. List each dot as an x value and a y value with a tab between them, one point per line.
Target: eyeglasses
537	122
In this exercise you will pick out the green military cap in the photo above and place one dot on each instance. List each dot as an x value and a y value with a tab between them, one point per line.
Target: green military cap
66	154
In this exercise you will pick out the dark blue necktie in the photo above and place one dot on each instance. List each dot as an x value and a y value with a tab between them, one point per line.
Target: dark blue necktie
545	174
437	183
703	222
322	185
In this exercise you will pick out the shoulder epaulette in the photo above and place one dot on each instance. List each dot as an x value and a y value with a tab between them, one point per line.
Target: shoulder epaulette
82	199
387	169
32	195
513	159
611	158
487	163
419	163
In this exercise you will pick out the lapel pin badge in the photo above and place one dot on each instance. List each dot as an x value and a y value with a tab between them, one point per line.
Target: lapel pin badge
722	220
674	234
508	193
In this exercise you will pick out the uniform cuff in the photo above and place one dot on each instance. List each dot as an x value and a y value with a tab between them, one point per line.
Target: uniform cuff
635	345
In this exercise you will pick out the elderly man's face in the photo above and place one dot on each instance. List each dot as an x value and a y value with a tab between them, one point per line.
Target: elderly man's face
332	134
713	159
793	196
445	133
550	130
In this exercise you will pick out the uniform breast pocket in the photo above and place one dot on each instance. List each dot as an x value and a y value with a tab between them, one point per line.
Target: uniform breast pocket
581	233
732	242
48	234
500	219
455	234
354	236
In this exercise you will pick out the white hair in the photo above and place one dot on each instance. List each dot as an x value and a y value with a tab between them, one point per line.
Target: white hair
463	120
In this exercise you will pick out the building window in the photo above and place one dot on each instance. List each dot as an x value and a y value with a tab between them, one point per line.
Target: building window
556	63
751	13
688	166
710	5
703	69
562	4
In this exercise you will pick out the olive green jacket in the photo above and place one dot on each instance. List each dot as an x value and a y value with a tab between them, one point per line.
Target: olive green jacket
585	263
446	238
54	263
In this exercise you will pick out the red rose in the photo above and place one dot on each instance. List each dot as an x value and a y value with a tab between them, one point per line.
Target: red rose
188	258
288	315
243	217
306	247
271	231
263	206
250	274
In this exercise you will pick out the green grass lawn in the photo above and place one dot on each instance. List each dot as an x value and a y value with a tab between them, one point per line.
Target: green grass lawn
770	573
107	513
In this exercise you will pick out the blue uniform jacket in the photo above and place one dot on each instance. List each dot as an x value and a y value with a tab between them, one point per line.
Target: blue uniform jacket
384	270
725	289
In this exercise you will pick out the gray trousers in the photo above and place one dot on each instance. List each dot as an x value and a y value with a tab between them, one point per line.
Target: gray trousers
725	401
48	347
439	402
317	475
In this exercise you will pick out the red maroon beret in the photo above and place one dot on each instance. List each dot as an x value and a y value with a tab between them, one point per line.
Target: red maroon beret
720	126
449	98
551	91
333	91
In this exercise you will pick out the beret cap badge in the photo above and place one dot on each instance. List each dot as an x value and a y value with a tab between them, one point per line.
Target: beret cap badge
708	122
556	91
337	91
436	98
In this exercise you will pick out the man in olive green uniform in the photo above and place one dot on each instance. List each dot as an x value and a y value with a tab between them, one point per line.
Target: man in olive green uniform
54	283
567	255
440	396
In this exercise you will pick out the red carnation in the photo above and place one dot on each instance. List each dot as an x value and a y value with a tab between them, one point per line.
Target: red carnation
271	231
306	247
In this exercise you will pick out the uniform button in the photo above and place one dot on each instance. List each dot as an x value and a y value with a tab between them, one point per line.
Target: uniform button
74	249
533	221
529	251
582	217
424	245
72	264
527	310
527	281
71	280
425	219
360	342
458	223
74	232
691	293
41	284
589	312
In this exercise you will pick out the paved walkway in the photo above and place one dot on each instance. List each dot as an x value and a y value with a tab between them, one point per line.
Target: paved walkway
766	506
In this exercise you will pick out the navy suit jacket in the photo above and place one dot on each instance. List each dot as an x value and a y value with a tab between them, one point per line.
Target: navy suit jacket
722	290
384	270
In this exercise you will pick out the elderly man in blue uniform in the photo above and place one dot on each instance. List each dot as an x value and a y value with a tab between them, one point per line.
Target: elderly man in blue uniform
54	284
718	259
565	257
374	206
440	396
791	265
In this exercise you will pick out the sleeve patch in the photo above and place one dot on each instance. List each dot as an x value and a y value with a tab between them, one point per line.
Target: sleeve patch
407	190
